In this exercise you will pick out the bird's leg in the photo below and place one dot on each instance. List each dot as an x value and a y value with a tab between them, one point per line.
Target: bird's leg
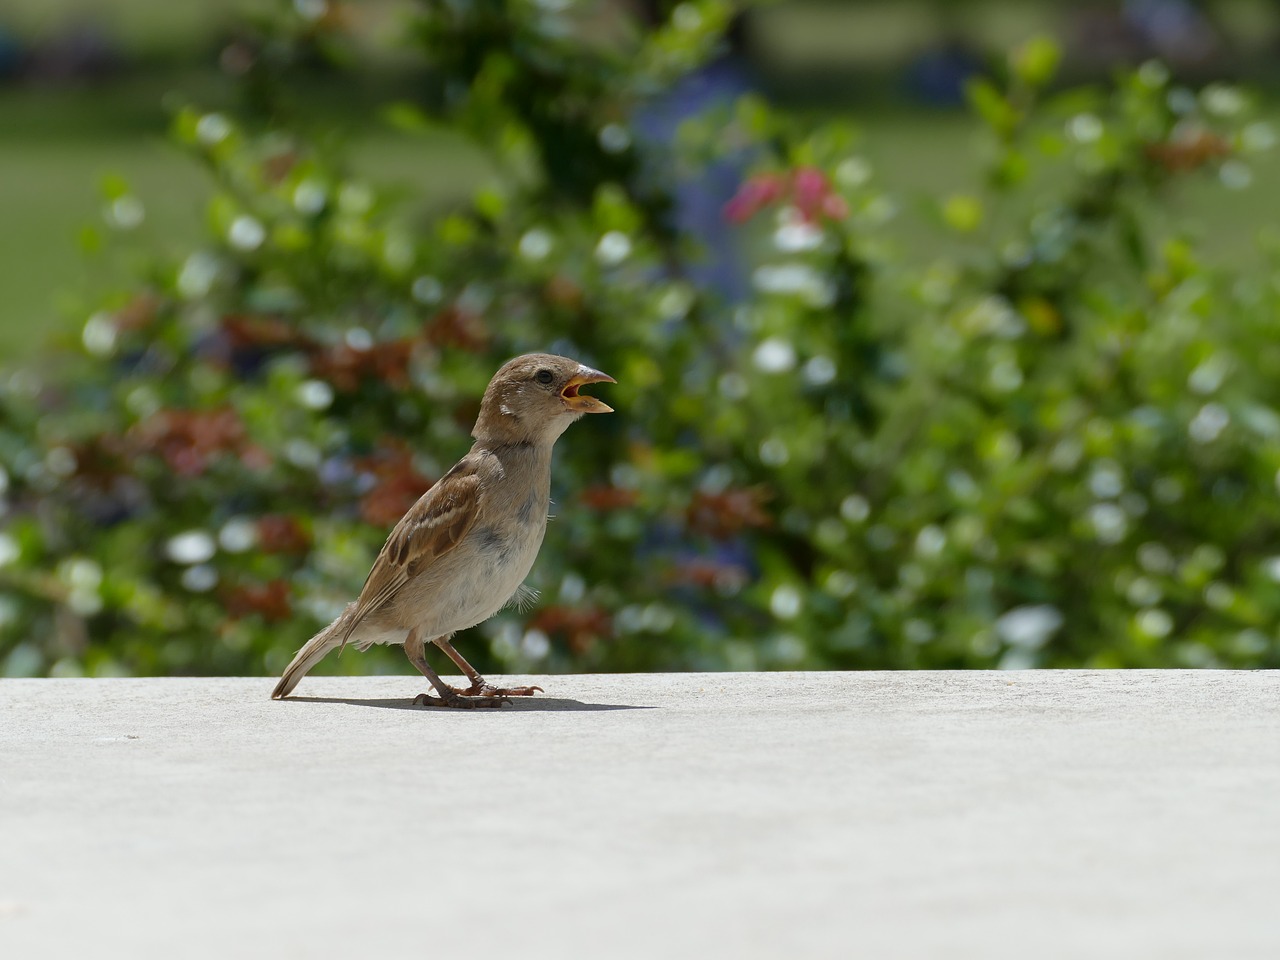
479	686
415	650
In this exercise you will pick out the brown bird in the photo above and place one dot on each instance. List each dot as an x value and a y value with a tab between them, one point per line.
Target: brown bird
463	550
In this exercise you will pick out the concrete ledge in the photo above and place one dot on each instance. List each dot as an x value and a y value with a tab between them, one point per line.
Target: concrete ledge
1027	815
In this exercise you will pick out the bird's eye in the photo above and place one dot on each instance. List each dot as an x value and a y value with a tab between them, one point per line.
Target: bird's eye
543	376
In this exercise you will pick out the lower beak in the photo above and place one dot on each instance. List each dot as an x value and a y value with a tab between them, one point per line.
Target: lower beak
580	403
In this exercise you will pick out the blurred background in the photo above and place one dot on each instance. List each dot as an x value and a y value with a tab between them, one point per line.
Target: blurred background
944	331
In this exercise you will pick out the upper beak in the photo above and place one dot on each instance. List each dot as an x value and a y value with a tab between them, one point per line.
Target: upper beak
580	403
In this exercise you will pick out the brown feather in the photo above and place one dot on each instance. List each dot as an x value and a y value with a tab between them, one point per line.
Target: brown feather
432	527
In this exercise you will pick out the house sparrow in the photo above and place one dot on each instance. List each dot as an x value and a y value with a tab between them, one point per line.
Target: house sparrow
462	551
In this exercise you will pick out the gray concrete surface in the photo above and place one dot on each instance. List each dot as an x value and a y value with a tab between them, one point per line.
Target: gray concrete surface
913	815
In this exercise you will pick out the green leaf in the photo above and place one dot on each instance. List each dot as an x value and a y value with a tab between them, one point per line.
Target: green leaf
755	116
491	202
90	240
1036	61
113	187
992	106
962	212
406	116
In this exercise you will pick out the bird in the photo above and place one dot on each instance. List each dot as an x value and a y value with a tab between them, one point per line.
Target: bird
463	550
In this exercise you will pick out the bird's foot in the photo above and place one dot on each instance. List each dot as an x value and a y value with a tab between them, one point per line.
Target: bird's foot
485	689
452	698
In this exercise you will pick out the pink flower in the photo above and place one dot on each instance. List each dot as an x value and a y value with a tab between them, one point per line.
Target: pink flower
758	192
811	189
835	206
807	187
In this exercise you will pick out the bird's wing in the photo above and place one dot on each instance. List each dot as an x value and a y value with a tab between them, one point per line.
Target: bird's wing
432	527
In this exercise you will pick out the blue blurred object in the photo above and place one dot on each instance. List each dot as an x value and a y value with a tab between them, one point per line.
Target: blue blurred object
937	77
1174	29
699	199
83	50
13	56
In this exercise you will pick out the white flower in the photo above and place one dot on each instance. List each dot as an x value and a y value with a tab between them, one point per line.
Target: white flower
212	129
687	17
1084	128
1110	522
795	278
1029	626
535	644
855	508
535	244
99	335
238	535
314	394
614	138
200	578
853	172
1235	175
1222	100
1106	479
1209	374
191	547
930	541
427	290
1209	423
774	452
797	235
126	212
819	370
774	355
785	602
310	196
197	275
1154	622
9	550
613	248
841	583
246	233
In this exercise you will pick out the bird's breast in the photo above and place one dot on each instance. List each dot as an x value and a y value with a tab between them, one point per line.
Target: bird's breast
499	559
508	551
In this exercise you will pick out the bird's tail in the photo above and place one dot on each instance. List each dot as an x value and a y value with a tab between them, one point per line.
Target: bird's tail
312	652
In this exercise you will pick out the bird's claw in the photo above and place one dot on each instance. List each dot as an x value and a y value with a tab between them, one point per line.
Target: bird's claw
486	689
453	699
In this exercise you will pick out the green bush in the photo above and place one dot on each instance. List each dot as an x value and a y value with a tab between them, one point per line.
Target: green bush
1057	444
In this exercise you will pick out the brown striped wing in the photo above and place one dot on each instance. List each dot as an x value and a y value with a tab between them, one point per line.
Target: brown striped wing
432	527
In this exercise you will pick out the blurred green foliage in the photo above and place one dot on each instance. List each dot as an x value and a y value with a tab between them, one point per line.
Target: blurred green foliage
1058	445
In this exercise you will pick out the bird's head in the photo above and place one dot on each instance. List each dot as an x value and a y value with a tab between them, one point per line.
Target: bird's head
535	397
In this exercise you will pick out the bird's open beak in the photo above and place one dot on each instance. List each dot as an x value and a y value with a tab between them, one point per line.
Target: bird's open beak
580	403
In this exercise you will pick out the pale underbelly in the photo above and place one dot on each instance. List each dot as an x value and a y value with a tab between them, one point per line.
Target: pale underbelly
480	579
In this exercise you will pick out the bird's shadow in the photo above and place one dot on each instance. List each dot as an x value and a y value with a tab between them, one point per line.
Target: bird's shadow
516	704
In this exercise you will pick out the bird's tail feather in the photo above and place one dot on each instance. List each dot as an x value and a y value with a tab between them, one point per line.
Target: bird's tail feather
312	652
